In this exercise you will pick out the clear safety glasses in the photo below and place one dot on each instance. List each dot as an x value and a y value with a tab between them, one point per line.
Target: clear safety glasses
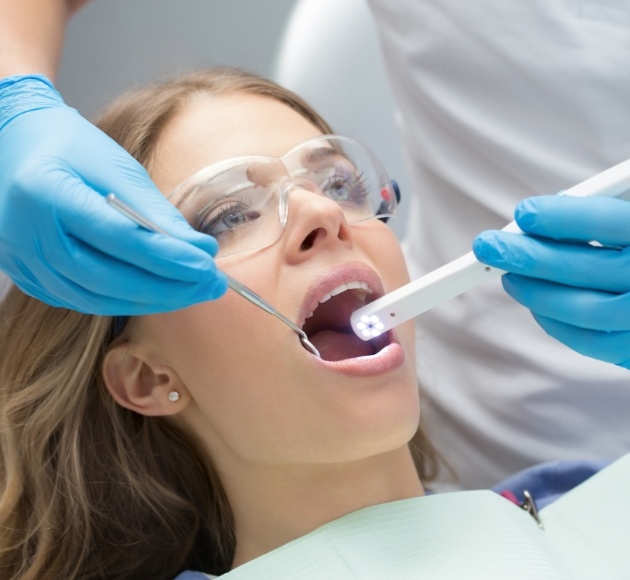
244	202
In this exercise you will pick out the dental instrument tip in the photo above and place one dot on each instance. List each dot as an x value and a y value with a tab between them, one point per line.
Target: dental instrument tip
309	345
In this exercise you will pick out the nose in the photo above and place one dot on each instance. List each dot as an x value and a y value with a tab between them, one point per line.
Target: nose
313	220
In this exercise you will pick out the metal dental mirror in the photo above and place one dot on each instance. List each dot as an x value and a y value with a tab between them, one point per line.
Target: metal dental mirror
235	285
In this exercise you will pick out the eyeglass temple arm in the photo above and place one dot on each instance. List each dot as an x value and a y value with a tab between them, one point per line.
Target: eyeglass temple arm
396	189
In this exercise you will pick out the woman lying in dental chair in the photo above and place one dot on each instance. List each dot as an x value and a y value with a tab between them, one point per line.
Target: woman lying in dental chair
209	439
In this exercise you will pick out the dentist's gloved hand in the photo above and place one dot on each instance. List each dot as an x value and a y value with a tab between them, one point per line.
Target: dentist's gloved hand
578	293
59	239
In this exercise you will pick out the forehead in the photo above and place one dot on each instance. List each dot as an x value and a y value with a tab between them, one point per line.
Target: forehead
213	128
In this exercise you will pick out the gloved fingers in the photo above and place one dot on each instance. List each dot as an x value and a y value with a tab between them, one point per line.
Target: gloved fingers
583	308
612	347
62	243
574	264
117	281
24	279
86	302
564	217
97	225
130	182
130	292
108	168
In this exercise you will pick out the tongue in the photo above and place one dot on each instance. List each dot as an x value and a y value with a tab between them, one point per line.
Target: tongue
335	345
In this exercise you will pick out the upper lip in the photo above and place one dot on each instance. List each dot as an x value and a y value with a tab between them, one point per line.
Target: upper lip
334	277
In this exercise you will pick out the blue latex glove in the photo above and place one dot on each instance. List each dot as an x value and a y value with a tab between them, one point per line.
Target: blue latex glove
578	293
59	239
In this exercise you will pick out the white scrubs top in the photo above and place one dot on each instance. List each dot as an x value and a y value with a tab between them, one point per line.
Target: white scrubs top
501	101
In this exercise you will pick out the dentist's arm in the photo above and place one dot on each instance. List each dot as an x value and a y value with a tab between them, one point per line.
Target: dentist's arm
31	35
59	240
578	293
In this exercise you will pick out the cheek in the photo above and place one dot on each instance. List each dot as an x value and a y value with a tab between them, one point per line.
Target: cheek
228	354
388	258
212	342
224	350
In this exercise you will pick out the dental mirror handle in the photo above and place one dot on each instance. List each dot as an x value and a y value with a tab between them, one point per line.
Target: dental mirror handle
250	295
235	285
465	272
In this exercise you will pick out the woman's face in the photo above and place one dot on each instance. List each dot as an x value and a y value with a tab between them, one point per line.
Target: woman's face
252	392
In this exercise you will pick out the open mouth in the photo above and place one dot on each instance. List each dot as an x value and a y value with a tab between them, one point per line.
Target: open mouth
328	326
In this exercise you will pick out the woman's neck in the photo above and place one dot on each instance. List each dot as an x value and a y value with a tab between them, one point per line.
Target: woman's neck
274	506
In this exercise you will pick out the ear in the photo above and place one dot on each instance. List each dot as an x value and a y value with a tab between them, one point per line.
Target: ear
141	385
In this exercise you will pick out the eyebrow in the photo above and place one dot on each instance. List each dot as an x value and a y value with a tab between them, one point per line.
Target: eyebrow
195	187
217	200
323	153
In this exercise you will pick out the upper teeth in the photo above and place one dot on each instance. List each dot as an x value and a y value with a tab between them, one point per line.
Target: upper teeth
343	288
356	285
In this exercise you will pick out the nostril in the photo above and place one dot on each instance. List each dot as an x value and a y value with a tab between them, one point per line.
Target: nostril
309	240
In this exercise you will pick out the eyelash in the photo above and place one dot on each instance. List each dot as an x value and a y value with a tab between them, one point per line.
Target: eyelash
226	208
215	215
356	181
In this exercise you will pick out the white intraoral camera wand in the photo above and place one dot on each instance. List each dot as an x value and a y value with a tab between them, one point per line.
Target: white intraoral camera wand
466	272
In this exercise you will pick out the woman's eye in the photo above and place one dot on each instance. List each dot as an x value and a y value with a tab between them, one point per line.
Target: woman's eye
227	218
338	190
341	188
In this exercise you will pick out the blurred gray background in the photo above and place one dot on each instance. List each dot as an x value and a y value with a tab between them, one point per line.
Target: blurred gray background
113	44
331	58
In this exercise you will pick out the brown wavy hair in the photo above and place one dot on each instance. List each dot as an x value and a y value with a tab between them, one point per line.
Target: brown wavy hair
89	489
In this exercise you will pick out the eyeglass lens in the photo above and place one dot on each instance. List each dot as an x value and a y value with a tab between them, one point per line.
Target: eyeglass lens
244	202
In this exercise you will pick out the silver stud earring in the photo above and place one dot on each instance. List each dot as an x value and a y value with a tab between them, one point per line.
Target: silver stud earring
173	396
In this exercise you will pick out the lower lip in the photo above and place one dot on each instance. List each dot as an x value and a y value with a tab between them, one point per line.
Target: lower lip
387	359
